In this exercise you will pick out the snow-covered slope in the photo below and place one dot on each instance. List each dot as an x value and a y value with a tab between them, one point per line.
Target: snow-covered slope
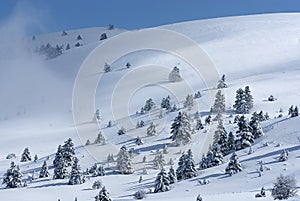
261	51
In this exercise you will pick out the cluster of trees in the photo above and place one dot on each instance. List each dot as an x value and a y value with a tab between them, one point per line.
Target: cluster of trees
293	111
186	170
243	101
49	51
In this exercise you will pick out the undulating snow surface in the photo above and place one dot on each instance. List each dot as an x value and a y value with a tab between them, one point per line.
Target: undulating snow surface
261	51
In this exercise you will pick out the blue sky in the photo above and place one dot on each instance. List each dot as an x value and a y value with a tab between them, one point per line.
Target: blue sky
134	14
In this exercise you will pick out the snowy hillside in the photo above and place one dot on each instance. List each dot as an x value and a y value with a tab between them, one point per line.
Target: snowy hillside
260	51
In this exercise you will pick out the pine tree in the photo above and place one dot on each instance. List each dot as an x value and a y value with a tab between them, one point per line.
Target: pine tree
128	65
291	110
223	138
162	182
159	161
68	46
60	171
151	130
107	68
203	163
189	102
121	131
197	95
284	187
283	156
231	142
172	175
149	105
186	167
124	163
165	103
76	176
13	176
248	98
219	105
174	75
26	155
256	126
199	198
44	171
199	124
240	103
57	155
244	134
103	195
103	36
217	156
295	113
221	83
68	151
100	139
234	165
208	120
79	37
180	129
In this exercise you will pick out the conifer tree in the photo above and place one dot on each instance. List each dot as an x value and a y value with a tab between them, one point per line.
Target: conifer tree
103	195
234	165
231	142
68	151
13	176
76	176
100	139
284	187
172	175
223	138
44	171
174	75
159	161
256	126
189	102
219	105
244	134
151	130
248	98
186	167
181	130
221	83
60	171
26	155
107	68
124	163
162	182
165	103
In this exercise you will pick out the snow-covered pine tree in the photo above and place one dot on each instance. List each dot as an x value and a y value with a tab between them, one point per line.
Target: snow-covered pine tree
295	113
151	130
13	176
101	170
159	161
231	142
149	105
103	195
172	175
100	139
219	104
284	187
58	154
186	166
68	151
248	98
174	75
121	131
94	170
181	130
199	124
223	138
197	95
234	165
203	163
76	176
162	182
244	135
79	37
103	36
189	102
208	120
256	126
128	65
97	184
240	103
124	163
44	171
165	103
199	198
60	171
217	156
107	68
283	156
26	155
221	83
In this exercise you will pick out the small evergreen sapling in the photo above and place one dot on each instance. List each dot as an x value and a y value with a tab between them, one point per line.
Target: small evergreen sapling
44	171
234	165
26	155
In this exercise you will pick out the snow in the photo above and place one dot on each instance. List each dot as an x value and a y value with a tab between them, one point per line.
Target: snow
261	51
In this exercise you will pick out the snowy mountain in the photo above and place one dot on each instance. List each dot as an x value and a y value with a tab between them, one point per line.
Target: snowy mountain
260	51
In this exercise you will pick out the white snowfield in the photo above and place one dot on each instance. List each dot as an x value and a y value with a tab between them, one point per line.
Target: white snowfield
262	51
